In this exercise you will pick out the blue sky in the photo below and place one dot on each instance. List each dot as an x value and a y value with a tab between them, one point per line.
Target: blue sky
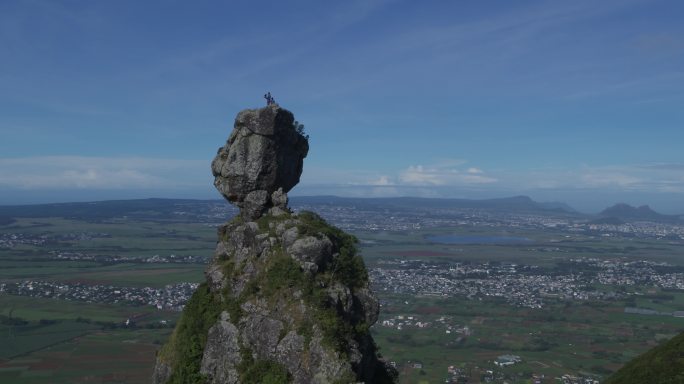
576	101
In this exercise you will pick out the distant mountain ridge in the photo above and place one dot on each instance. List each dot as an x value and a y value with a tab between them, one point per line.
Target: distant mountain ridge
154	207
105	209
138	207
515	203
626	212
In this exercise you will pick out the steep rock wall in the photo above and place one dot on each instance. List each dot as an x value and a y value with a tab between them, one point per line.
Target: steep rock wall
287	296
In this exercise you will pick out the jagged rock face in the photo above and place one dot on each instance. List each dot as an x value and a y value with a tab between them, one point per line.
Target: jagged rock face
275	322
286	298
261	161
288	293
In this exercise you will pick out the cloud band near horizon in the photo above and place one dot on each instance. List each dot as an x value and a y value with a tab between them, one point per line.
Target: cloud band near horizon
451	178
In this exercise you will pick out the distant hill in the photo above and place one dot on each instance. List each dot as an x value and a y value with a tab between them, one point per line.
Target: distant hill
161	209
663	364
626	212
508	204
99	210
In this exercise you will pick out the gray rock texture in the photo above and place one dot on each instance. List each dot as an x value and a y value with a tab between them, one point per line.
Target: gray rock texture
222	352
281	296
261	161
287	298
162	372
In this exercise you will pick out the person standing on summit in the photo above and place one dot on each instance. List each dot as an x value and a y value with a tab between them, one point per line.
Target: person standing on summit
269	99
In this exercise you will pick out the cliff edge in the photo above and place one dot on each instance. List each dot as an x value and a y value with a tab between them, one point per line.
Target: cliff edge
286	297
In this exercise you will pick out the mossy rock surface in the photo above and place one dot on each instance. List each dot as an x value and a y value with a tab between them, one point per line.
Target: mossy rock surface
300	318
183	352
663	364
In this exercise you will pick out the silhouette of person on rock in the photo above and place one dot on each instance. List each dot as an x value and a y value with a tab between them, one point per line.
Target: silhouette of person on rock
269	99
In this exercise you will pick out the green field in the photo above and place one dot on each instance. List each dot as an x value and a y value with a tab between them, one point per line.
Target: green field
590	338
59	341
594	338
45	340
548	247
114	356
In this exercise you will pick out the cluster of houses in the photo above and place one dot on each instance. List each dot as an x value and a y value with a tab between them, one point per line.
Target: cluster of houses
465	374
400	322
172	297
506	360
11	240
82	256
521	285
640	229
572	379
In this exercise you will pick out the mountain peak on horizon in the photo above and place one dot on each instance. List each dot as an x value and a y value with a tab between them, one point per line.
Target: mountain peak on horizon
625	211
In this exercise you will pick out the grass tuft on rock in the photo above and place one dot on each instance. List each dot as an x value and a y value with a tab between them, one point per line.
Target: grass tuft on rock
261	371
348	267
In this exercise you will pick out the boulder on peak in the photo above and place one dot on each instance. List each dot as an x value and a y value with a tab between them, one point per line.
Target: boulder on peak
261	161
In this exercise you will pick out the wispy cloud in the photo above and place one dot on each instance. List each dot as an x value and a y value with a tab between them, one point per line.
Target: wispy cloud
443	176
437	179
651	178
80	172
648	178
660	43
442	173
382	181
674	167
494	47
311	36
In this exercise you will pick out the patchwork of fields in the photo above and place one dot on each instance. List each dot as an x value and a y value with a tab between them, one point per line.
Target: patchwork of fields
46	340
43	339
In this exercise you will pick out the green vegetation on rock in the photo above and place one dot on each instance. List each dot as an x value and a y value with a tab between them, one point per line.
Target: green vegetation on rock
261	371
325	305
184	351
348	268
663	364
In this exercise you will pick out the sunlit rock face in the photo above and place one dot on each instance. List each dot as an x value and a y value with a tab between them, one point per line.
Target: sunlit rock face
261	162
287	297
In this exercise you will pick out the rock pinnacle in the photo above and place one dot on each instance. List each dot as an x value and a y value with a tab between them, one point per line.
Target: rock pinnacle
261	161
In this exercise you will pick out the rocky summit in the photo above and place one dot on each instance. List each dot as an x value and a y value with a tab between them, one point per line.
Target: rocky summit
287	296
261	161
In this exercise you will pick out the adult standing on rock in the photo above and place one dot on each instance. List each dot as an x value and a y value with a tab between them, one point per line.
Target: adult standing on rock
269	99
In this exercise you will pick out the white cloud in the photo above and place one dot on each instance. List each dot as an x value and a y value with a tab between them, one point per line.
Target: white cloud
450	178
443	173
443	176
420	176
588	188
650	178
608	178
80	172
644	178
382	181
446	178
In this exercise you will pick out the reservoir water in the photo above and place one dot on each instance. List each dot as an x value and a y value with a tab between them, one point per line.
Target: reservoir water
459	239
